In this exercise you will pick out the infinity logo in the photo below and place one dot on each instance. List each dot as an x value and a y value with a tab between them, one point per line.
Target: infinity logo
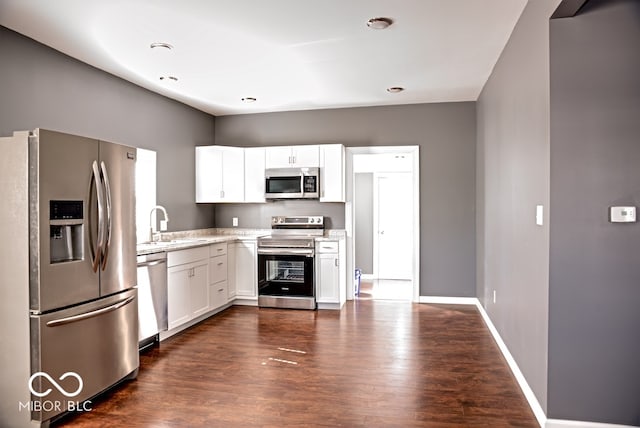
58	387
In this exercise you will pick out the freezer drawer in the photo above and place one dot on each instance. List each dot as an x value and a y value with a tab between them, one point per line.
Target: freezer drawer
98	341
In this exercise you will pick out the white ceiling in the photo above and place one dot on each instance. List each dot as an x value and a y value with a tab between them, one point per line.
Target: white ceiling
289	54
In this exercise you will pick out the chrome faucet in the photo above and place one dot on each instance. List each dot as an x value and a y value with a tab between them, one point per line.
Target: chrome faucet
153	235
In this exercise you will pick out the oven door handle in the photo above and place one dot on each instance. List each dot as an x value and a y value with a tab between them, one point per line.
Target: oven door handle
286	251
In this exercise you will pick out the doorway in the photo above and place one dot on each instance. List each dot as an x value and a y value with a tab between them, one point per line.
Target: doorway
382	222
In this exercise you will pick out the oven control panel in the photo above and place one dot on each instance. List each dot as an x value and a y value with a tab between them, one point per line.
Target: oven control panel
298	222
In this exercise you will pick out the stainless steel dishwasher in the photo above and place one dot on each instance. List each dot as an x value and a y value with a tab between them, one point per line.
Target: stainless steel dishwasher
152	298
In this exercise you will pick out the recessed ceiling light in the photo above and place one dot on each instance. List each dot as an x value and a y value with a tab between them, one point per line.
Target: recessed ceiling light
379	23
395	89
161	45
172	78
249	100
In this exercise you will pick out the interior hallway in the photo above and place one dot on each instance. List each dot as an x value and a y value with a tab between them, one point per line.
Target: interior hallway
386	289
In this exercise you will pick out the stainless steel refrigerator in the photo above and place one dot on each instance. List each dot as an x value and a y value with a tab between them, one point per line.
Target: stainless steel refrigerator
82	307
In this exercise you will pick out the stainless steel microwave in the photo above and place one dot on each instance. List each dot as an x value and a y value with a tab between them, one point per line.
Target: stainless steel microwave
292	183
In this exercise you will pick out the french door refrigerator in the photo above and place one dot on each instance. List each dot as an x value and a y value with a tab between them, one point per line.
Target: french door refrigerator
81	269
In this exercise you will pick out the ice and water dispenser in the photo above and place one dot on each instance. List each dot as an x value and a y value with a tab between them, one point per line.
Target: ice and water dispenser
66	222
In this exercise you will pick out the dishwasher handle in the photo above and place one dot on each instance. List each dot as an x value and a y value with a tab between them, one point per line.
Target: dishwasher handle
151	263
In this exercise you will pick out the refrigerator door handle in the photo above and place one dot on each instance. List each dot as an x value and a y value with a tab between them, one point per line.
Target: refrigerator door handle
97	256
107	219
80	317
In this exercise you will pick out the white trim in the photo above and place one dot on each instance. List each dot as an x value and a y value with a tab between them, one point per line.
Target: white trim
349	216
449	300
524	386
558	423
522	382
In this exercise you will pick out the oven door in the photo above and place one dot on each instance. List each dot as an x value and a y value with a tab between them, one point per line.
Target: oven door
287	273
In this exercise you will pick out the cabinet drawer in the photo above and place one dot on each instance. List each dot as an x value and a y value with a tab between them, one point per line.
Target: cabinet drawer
217	269
218	249
189	255
218	295
327	247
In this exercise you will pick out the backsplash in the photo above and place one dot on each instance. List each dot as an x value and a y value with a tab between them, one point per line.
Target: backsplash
259	215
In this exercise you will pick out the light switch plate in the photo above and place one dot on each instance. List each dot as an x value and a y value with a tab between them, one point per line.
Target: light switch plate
622	214
539	215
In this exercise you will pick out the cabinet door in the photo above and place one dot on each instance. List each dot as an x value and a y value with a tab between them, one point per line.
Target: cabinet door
278	157
332	173
246	270
328	279
208	174
199	284
232	174
231	271
254	162
178	295
305	156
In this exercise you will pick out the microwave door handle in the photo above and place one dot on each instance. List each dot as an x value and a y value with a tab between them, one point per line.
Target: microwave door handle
107	219
301	184
100	240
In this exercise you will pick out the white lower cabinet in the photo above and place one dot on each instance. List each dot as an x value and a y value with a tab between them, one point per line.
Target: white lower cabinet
246	270
330	275
187	285
218	265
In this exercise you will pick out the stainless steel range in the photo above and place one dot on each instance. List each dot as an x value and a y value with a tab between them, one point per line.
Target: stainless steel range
286	276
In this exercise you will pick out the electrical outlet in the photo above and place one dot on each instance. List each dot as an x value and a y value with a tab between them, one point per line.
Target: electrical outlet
163	225
494	296
235	221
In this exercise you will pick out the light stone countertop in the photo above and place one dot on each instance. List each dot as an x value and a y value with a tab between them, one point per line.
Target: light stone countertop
173	241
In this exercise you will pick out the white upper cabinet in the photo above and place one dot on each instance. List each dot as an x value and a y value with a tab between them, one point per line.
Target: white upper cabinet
293	156
254	161
219	174
332	175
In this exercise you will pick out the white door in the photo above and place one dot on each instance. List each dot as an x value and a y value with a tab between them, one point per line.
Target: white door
393	225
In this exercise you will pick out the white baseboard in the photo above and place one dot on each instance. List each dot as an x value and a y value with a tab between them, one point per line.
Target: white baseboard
449	300
558	423
524	385
522	382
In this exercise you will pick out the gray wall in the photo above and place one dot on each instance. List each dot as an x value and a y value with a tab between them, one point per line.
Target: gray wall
43	88
512	178
363	215
594	315
446	136
259	215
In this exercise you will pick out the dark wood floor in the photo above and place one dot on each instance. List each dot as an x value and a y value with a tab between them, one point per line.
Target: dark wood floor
373	364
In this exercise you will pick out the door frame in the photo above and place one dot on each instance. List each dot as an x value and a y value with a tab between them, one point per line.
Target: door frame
349	217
